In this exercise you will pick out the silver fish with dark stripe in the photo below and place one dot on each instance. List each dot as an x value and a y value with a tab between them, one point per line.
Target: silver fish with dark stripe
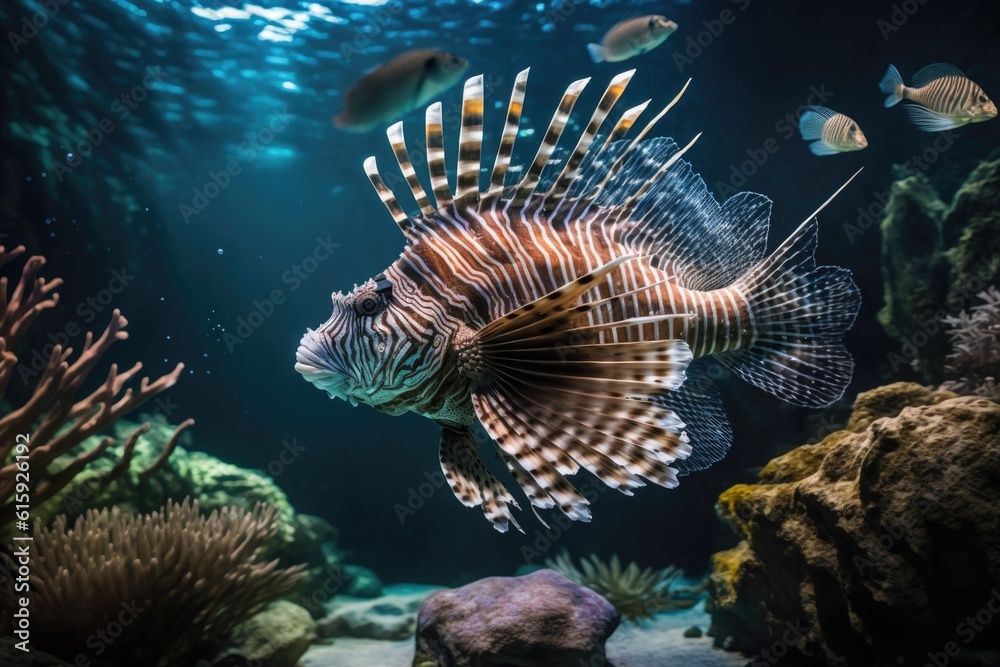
568	312
946	97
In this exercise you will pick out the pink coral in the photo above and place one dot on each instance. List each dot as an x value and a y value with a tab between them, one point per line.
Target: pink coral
54	418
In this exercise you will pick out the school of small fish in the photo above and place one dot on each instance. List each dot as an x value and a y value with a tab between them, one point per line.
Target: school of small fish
943	99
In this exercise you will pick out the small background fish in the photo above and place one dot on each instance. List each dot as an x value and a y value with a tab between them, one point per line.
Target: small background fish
406	82
632	37
947	98
830	132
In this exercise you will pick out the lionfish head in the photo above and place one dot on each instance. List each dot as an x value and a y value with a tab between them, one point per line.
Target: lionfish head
373	348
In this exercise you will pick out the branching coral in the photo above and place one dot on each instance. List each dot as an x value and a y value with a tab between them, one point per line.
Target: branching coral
177	581
54	419
635	593
975	355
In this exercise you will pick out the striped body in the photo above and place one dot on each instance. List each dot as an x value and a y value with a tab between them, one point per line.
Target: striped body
839	130
953	96
945	98
493	262
565	311
833	132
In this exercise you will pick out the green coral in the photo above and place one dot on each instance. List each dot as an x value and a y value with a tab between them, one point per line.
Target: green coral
187	473
634	592
935	259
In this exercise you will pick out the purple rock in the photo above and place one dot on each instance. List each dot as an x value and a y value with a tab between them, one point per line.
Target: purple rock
542	618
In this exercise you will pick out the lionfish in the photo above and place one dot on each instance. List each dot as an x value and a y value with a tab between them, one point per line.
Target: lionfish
562	310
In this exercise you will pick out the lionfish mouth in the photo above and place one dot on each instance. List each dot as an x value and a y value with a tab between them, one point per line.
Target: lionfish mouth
315	363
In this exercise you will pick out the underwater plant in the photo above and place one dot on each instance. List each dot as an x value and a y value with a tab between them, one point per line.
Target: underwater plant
635	593
174	582
975	355
53	420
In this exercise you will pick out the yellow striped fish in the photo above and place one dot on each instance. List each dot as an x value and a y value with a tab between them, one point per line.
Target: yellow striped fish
830	132
946	97
566	309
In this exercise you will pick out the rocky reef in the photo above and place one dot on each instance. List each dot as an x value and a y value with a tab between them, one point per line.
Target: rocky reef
885	529
936	258
160	589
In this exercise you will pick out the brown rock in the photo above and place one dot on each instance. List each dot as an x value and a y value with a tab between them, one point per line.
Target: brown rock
895	533
542	618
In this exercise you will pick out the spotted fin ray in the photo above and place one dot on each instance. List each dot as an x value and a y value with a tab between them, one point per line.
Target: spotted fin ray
554	402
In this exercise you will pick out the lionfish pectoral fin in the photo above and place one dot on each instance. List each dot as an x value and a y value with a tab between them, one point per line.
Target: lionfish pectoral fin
556	399
472	482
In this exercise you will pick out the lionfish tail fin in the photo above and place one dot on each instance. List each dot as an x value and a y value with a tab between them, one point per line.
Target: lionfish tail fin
801	313
555	400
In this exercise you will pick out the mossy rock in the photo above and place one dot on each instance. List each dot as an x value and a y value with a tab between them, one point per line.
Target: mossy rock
935	259
887	528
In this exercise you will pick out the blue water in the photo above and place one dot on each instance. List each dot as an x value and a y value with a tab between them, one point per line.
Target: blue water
189	147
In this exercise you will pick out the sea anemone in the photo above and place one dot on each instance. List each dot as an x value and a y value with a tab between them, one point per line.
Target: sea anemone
975	355
636	594
161	590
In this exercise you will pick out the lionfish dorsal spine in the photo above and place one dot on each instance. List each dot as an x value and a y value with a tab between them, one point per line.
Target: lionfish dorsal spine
470	144
525	192
625	123
620	160
435	156
387	196
630	202
556	126
398	143
510	130
571	169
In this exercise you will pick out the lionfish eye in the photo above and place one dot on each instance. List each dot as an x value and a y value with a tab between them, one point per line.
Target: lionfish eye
854	127
369	304
982	98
